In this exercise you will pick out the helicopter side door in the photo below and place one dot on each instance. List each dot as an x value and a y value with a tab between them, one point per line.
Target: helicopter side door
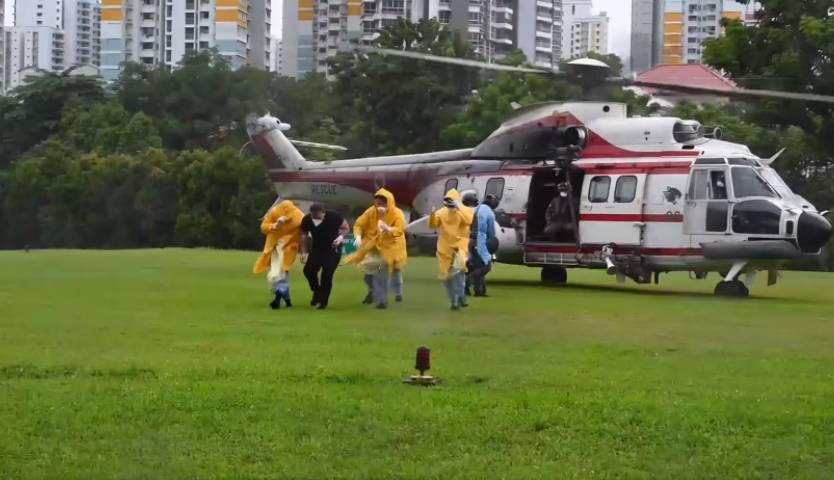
707	207
611	209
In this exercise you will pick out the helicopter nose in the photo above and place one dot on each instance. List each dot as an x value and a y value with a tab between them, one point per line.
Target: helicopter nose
813	232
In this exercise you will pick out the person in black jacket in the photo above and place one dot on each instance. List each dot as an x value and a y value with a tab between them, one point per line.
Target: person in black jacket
322	233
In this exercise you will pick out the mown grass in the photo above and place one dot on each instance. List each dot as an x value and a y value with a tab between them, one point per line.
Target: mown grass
168	364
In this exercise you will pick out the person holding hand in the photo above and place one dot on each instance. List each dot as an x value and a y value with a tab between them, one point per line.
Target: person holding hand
282	227
380	232
323	234
453	223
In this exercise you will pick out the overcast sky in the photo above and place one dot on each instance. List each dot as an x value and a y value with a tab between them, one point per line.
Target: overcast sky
618	10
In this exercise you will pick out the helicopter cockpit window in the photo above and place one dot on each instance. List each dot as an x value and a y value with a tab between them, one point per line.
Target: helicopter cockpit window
743	161
718	185
708	185
598	192
495	187
758	217
626	189
710	161
748	183
450	184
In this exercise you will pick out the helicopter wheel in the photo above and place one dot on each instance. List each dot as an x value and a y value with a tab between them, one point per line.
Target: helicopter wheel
734	289
554	275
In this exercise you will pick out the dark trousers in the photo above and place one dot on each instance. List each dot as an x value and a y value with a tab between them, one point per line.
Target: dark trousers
476	275
326	263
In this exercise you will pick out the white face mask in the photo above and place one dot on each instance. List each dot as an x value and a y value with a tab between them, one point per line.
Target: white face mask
382	209
318	221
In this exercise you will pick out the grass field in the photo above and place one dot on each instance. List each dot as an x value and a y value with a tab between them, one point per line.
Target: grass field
168	364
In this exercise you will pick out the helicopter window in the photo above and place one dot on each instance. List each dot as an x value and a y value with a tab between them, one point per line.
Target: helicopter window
710	161
699	188
718	185
626	189
450	184
495	187
598	192
743	161
748	183
756	217
708	185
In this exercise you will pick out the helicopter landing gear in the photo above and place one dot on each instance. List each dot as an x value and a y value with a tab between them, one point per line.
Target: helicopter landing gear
554	275
731	286
734	289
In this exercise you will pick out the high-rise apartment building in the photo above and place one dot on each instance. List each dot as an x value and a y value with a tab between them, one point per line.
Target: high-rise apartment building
313	30
49	35
674	31
81	25
688	23
39	13
646	34
32	49
583	31
2	47
160	32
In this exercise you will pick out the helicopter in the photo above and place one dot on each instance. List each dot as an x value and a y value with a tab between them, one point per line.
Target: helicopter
582	185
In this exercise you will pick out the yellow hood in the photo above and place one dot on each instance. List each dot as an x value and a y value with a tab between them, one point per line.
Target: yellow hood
453	194
387	196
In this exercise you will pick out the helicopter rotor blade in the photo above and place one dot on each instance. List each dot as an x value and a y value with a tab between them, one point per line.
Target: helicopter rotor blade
736	93
594	72
463	62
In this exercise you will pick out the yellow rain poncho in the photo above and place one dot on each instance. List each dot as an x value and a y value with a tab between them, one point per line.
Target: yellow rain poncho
389	244
453	225
286	236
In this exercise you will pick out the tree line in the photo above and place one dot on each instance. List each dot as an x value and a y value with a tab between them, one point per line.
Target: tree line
155	159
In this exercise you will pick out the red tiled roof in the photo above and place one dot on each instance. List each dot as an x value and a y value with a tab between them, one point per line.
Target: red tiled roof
691	75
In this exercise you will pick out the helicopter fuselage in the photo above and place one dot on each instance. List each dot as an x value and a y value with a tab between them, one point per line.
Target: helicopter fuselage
645	195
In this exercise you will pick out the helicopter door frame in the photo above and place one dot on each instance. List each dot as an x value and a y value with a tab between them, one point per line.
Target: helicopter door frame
619	217
708	202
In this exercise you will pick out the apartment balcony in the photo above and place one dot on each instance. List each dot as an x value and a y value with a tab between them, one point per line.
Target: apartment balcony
502	40
541	34
544	4
503	26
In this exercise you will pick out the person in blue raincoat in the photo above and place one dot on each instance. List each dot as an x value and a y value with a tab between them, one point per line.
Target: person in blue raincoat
483	243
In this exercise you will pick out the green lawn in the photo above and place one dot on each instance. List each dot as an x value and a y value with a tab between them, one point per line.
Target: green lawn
169	364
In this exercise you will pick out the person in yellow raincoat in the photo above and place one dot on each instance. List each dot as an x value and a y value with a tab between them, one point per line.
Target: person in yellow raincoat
282	227
453	223
380	235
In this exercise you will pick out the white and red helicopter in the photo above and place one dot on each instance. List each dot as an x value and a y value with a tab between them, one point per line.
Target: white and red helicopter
582	185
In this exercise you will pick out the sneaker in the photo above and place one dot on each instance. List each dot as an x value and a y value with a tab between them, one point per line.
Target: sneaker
463	303
276	303
455	306
398	299
369	299
287	301
381	306
322	306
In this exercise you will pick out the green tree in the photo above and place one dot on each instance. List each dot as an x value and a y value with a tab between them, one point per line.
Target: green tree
395	105
34	111
493	101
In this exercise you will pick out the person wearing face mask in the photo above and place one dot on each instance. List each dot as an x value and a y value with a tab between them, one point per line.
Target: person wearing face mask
483	244
323	234
453	223
282	227
380	231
